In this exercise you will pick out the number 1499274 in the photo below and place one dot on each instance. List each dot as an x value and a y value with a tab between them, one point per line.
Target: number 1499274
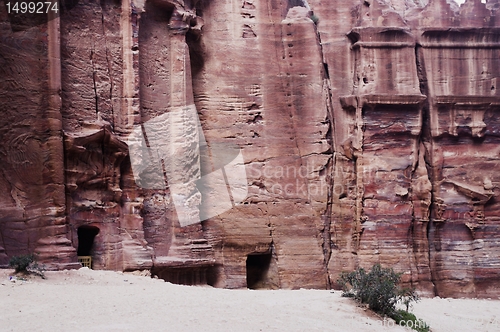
32	7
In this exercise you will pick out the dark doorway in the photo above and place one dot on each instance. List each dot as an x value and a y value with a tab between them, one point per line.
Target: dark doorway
187	275
257	269
86	235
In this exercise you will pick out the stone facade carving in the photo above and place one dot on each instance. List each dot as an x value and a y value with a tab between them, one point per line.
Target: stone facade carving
368	130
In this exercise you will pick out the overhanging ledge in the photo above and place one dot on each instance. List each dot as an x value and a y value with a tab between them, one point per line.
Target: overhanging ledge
352	101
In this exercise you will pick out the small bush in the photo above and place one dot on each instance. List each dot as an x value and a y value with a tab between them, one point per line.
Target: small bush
21	263
405	318
27	264
379	289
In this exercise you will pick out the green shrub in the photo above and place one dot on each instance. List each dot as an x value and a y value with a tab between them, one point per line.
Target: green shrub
21	263
405	318
27	264
379	289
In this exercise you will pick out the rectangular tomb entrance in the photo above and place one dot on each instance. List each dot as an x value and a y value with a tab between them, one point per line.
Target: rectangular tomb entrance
262	271
86	236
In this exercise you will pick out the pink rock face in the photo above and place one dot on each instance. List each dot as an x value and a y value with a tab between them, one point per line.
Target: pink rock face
368	134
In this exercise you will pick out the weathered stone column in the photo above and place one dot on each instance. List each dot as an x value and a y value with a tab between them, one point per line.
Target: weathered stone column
55	250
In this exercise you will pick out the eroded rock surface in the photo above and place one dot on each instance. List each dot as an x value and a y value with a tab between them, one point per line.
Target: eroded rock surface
367	131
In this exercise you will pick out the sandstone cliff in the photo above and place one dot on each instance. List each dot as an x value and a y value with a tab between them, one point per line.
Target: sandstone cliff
367	131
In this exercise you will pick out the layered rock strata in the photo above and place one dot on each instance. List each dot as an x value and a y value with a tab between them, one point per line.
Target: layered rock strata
366	132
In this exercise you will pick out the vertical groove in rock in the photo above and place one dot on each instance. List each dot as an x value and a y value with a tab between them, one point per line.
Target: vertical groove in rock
330	166
94	86
424	155
109	71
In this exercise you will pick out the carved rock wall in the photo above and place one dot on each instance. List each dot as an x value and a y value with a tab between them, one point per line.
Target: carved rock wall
463	118
32	166
367	136
411	120
268	106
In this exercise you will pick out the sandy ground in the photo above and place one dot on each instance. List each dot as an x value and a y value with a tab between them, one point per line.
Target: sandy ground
86	300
